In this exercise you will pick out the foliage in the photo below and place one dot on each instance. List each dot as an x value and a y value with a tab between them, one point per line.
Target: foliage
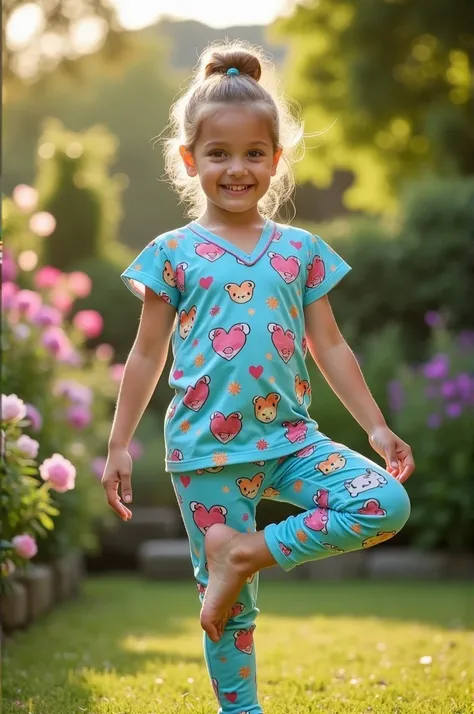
371	632
392	84
433	408
57	26
404	269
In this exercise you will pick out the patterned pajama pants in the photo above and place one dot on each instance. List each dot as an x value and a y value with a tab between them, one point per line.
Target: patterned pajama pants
348	501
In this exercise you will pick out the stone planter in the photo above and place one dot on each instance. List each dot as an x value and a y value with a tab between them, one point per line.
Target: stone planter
165	560
14	606
146	524
336	567
68	573
39	583
417	564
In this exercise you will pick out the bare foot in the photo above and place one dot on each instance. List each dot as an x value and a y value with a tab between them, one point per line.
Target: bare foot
227	576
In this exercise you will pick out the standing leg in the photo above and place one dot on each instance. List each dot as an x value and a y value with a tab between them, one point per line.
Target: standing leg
225	497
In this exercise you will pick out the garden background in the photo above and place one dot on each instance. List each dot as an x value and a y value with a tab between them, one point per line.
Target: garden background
388	182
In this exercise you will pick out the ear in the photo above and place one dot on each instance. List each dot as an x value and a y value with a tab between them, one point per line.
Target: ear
276	159
188	161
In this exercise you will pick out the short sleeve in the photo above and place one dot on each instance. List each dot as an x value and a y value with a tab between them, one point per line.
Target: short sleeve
324	270
152	269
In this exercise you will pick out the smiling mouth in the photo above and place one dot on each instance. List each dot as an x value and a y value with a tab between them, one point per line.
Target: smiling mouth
237	188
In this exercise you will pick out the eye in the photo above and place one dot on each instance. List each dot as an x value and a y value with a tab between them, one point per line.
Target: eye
217	154
256	153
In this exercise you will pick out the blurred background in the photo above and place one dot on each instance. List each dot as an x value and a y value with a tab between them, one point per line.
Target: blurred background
389	184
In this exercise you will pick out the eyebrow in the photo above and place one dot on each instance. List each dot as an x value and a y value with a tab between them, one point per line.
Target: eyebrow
208	144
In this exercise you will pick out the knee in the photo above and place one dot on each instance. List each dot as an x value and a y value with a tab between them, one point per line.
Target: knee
397	509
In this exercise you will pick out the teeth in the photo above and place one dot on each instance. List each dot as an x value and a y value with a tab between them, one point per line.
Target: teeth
236	188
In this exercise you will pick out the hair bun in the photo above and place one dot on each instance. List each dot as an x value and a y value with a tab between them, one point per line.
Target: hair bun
219	62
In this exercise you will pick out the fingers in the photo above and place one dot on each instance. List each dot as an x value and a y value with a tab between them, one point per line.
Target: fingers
126	487
113	499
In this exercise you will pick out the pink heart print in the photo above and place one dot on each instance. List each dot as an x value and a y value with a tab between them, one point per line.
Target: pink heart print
287	268
284	342
296	244
228	344
209	251
224	428
231	696
178	373
206	282
204	518
185	480
256	371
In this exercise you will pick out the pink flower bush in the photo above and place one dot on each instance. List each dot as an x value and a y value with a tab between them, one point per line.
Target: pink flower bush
98	466
116	371
25	546
47	277
47	316
89	322
59	473
8	267
75	392
9	291
42	223
56	341
27	302
79	284
104	352
62	300
13	408
29	447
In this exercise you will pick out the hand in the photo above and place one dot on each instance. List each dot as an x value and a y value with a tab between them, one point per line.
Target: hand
397	454
118	470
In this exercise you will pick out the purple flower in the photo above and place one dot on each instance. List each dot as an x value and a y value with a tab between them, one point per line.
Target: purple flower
55	341
29	447
466	340
8	267
13	408
48	316
449	389
9	292
434	421
437	368
433	318
34	417
79	416
453	410
396	395
27	302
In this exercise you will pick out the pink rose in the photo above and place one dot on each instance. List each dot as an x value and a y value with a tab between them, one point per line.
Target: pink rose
29	447
60	473
89	322
62	300
25	546
34	417
8	267
104	352
13	408
42	223
56	341
47	277
80	284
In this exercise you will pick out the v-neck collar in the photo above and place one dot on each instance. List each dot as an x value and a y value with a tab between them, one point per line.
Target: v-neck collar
263	243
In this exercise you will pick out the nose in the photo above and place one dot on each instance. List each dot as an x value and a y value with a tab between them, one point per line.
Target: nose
237	168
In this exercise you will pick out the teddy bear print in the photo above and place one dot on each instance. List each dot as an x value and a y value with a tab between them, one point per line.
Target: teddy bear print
237	609
210	470
379	538
227	344
317	520
204	518
186	321
316	272
176	455
295	430
306	451
284	549
180	276
287	268
266	407
365	482
284	342
249	486
164	296
244	640
240	293
301	389
334	462
196	396
270	492
223	428
209	251
372	508
168	274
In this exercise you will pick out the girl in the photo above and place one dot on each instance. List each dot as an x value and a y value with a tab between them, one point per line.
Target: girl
243	298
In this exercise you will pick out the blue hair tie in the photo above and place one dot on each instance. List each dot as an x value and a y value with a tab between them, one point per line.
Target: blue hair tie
233	70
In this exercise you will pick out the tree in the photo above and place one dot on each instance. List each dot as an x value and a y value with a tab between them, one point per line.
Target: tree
54	40
391	83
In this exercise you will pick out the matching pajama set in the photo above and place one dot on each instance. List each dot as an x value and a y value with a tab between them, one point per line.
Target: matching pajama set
238	428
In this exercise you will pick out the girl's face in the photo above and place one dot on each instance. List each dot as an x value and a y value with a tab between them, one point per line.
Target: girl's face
234	156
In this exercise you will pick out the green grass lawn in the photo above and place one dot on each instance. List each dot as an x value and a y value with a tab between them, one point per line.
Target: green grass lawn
134	647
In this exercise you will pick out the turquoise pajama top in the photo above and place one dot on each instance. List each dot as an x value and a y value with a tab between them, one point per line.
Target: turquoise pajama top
241	384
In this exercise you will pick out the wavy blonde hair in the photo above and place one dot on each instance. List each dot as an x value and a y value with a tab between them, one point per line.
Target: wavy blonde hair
210	83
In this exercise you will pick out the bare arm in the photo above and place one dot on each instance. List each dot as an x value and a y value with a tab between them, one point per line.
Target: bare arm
341	370
142	371
143	368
